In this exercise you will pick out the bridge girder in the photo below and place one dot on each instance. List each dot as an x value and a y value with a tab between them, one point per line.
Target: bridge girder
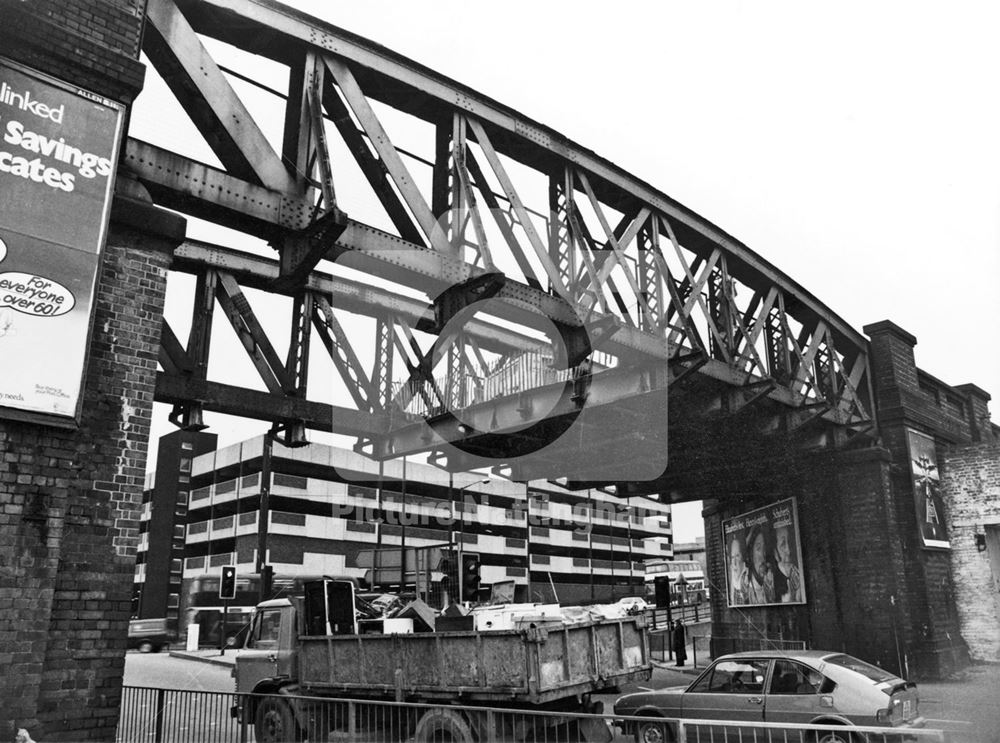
606	251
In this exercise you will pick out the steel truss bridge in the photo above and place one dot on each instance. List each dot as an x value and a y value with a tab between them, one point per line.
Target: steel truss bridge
516	300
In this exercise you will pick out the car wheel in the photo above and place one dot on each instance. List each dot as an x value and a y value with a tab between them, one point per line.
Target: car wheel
837	736
145	646
275	723
653	732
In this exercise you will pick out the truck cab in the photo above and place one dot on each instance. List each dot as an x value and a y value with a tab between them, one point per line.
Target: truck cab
267	661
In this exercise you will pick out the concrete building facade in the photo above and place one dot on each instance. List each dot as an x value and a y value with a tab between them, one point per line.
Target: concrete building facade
160	551
327	508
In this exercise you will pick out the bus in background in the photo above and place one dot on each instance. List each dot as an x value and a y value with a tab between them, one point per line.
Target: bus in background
201	605
692	589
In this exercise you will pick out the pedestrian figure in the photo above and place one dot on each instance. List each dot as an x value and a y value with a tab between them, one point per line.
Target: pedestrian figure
679	643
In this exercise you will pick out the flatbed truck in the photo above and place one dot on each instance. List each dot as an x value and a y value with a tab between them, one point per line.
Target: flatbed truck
293	684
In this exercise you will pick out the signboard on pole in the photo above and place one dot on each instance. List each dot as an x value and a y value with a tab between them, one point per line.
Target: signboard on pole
58	151
764	556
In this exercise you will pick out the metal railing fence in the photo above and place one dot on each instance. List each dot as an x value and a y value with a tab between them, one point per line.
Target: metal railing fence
722	645
161	716
152	715
688	613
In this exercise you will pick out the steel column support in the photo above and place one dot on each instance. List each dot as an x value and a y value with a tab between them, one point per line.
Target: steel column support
255	341
776	337
338	345
189	415
650	284
297	362
382	365
561	249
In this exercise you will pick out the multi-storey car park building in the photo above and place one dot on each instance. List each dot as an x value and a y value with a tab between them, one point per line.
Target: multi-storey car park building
328	507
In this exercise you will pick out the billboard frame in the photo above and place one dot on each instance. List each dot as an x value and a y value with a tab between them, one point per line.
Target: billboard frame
925	484
72	421
764	521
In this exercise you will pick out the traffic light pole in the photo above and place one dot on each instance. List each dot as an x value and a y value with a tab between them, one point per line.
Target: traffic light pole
227	592
461	534
225	628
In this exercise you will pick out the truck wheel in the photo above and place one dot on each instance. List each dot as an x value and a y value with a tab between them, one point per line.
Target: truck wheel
275	723
443	726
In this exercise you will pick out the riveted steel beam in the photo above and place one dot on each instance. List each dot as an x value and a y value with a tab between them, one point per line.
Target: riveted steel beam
257	405
413	88
361	298
186	185
196	80
727	295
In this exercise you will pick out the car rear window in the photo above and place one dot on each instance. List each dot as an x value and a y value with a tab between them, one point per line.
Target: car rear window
867	670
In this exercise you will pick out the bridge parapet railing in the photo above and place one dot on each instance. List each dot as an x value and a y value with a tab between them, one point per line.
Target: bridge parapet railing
526	371
165	716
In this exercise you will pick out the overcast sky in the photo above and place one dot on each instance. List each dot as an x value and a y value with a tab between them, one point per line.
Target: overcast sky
855	146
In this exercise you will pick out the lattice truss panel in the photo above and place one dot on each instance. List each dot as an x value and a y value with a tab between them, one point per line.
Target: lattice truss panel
455	259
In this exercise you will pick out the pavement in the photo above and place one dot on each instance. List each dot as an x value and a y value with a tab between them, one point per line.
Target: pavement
966	704
205	655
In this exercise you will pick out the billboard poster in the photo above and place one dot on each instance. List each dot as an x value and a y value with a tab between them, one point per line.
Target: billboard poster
927	490
58	149
764	557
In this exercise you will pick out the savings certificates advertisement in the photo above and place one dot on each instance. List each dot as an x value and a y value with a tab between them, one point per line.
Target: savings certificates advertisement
58	148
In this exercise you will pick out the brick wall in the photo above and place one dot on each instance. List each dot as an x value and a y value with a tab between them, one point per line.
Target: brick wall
69	499
971	487
852	561
90	43
911	398
873	588
70	502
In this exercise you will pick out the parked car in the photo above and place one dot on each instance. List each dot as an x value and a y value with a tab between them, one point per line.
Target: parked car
148	635
634	604
803	687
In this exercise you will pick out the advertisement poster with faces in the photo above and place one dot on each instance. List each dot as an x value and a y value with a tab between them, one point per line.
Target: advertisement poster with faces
58	147
927	490
764	557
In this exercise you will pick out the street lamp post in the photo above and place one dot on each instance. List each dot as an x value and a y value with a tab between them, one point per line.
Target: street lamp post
263	516
682	586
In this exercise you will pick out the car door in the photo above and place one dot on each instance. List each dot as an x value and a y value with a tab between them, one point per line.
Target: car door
731	690
793	694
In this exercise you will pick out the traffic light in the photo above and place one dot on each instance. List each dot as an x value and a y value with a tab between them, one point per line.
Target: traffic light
227	583
471	577
448	567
